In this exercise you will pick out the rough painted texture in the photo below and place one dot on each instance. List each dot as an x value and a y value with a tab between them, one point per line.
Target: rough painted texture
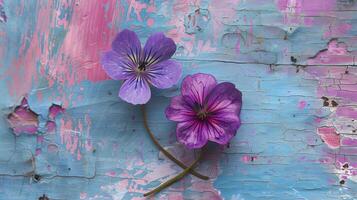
294	61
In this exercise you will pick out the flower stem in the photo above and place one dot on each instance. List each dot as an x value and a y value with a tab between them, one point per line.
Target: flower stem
176	178
166	153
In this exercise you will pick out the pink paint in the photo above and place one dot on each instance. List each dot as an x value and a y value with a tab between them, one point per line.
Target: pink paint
245	159
175	196
318	120
52	148
39	96
75	135
54	110
238	44
38	151
111	174
66	133
347	141
205	46
23	70
295	11
89	34
250	34
23	119
119	189
349	112
248	159
348	95
79	156
302	104
136	7
83	195
336	53
337	83
88	144
337	30
150	22
160	172
40	139
329	136
180	10
220	12
50	127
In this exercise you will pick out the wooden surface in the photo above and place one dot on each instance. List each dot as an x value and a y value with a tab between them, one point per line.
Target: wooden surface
294	61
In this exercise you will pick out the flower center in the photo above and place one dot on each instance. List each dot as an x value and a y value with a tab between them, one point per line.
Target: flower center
202	114
142	66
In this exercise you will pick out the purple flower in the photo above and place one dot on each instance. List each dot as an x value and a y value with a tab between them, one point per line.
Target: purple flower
205	111
141	67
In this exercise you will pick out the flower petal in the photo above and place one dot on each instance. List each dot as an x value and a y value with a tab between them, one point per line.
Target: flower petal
158	48
127	44
192	133
224	98
195	88
221	131
117	67
135	90
179	110
165	74
224	105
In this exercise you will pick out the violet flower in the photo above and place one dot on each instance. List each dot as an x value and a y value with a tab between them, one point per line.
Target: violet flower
205	111
141	67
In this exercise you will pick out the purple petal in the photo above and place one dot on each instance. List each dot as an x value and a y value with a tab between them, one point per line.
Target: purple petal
127	44
224	103
165	74
117	67
192	133
158	48
179	110
135	90
224	98
221	131
195	88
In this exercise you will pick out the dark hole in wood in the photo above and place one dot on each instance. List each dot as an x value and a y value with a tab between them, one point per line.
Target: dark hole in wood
345	165
326	103
334	103
293	59
324	98
44	197
37	177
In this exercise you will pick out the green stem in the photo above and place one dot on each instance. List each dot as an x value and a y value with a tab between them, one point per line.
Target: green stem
163	150
176	178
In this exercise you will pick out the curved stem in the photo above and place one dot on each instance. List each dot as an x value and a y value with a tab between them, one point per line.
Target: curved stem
176	178
166	153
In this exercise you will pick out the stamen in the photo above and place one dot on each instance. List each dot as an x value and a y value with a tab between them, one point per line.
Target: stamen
202	114
142	66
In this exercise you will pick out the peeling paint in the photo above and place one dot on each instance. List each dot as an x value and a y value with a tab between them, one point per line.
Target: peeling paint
23	119
3	17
